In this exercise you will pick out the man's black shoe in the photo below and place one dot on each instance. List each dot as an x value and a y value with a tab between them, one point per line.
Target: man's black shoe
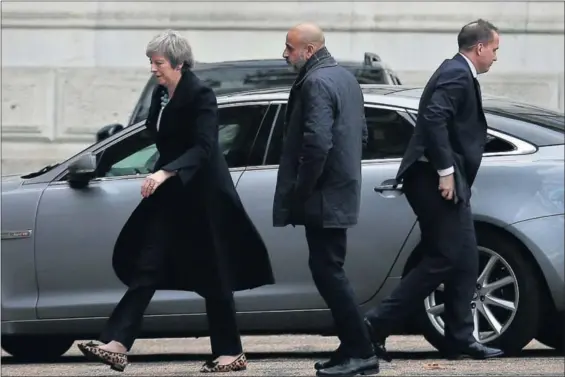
352	367
476	351
378	342
335	358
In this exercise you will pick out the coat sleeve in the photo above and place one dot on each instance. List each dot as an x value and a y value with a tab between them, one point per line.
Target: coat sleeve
206	137
448	96
318	113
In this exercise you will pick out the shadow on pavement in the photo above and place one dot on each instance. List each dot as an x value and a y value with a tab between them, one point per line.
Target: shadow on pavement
172	357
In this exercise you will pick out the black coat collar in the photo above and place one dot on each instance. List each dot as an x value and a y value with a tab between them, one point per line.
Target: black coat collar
321	59
184	92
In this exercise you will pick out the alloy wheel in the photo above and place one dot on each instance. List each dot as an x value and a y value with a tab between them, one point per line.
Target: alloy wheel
494	302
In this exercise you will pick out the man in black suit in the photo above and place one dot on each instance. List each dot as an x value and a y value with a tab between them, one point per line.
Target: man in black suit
438	169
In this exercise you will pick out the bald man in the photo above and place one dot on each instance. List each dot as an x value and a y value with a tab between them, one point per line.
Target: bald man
318	185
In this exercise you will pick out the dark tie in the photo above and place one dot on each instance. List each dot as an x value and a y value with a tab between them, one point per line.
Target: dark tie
478	88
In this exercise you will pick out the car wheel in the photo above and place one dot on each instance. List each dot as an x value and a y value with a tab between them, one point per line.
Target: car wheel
506	307
35	348
551	332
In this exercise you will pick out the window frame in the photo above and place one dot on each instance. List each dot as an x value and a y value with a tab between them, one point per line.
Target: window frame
268	104
134	130
400	110
521	147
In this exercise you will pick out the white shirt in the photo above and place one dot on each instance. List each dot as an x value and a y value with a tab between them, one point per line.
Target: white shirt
450	169
471	66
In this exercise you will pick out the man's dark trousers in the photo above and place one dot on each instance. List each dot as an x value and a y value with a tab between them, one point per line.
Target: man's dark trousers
450	256
327	255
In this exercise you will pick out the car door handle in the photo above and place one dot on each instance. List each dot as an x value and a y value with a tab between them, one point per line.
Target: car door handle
389	187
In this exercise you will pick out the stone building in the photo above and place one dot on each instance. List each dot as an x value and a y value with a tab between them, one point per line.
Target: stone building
69	68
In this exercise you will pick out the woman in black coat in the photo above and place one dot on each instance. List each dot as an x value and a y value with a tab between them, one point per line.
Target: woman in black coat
190	231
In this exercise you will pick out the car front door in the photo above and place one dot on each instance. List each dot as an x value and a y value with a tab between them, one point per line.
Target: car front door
76	228
385	220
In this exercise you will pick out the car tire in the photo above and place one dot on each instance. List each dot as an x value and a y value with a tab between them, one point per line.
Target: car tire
551	332
517	329
35	348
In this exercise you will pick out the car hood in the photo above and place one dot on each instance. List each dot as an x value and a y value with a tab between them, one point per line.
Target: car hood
11	182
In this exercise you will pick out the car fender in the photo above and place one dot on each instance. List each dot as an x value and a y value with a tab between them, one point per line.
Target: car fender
19	283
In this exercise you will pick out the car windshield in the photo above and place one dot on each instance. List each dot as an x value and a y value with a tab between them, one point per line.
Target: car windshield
41	171
227	79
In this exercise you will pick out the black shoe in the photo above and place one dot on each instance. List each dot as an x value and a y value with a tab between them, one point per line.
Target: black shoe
352	367
335	358
476	351
378	342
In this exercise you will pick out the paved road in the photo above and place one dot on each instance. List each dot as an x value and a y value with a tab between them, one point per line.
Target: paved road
292	356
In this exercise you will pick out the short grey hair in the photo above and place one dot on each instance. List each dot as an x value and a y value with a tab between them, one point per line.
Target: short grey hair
173	46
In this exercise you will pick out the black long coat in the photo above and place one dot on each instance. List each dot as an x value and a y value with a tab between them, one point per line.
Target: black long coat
213	243
319	177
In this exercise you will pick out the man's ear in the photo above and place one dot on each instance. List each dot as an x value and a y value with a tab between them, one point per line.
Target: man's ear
310	48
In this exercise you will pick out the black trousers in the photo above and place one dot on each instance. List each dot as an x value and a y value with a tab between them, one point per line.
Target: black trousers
450	256
126	320
327	255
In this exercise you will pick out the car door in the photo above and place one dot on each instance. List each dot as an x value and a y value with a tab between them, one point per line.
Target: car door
385	220
76	228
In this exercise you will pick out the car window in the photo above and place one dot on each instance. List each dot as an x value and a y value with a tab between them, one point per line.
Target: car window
130	156
237	131
389	133
238	127
140	162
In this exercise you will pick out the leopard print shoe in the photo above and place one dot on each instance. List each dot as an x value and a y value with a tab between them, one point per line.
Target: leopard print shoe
83	347
213	366
116	360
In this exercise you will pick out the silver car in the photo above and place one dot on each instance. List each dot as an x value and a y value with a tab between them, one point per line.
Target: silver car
58	285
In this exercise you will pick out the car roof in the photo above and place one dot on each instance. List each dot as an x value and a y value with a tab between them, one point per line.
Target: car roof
394	95
405	96
371	61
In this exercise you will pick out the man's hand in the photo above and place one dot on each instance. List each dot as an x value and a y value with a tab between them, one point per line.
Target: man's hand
153	181
447	186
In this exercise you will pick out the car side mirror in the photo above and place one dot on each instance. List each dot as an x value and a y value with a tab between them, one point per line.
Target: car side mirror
107	131
82	171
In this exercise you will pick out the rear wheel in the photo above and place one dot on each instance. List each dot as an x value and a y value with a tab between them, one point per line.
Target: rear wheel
36	348
506	306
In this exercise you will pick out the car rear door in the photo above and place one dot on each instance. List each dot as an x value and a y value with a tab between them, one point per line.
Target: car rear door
76	228
385	220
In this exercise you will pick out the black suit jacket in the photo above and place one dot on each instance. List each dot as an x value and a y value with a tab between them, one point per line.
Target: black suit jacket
451	126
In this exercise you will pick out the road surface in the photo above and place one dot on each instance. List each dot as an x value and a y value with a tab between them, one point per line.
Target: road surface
291	356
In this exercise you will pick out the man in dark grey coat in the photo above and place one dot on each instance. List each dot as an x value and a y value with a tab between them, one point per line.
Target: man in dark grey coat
319	181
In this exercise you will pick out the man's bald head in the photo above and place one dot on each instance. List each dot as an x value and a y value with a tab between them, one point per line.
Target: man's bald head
303	41
310	33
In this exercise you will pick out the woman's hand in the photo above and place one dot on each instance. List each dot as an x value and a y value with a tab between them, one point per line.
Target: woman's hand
153	181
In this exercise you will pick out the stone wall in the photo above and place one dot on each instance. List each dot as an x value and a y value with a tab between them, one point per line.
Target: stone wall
69	68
